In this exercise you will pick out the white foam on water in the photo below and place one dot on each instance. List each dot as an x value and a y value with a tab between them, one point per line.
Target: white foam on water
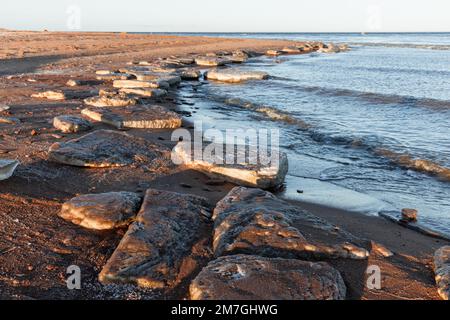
331	195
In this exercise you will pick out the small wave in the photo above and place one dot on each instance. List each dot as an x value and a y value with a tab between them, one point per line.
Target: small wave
372	97
403	45
270	112
372	144
422	165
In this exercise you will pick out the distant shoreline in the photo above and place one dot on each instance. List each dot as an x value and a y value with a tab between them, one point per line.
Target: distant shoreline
232	32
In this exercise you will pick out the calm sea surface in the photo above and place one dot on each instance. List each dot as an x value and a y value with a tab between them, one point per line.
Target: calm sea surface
365	130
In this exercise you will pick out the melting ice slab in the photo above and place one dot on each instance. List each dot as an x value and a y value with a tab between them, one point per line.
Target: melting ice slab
331	195
7	168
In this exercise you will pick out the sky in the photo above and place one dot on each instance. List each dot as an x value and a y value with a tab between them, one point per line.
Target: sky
227	15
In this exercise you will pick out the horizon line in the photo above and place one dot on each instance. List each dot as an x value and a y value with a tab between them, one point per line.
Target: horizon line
228	32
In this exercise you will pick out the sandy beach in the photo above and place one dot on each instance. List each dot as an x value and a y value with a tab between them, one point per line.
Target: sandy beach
26	51
36	245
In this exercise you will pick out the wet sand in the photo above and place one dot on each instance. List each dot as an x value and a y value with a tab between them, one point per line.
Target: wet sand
36	246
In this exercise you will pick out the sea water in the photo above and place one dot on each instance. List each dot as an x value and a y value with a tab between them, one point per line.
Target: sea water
365	130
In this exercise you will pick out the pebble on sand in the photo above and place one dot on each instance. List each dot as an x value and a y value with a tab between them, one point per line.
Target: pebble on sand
380	249
71	124
145	92
158	84
103	211
50	95
234	76
112	75
110	100
172	80
139	116
77	83
273	53
210	61
3	107
190	74
409	215
291	50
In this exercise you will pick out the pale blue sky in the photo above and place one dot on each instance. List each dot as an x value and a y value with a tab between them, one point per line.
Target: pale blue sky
227	15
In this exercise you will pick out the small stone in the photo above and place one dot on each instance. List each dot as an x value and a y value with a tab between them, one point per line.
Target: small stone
112	75
381	250
243	277
104	72
103	211
234	76
139	116
344	47
77	83
239	56
71	124
273	53
3	107
190	74
110	100
180	61
73	83
110	93
172	80
210	61
144	63
291	50
305	48
145	75
50	95
34	132
51	267
329	48
7	168
145	92
409	215
157	84
163	69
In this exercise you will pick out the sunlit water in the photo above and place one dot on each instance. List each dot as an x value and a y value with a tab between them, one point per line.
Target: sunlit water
364	130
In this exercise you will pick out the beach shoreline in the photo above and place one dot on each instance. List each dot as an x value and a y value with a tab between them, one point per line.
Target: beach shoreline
39	244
